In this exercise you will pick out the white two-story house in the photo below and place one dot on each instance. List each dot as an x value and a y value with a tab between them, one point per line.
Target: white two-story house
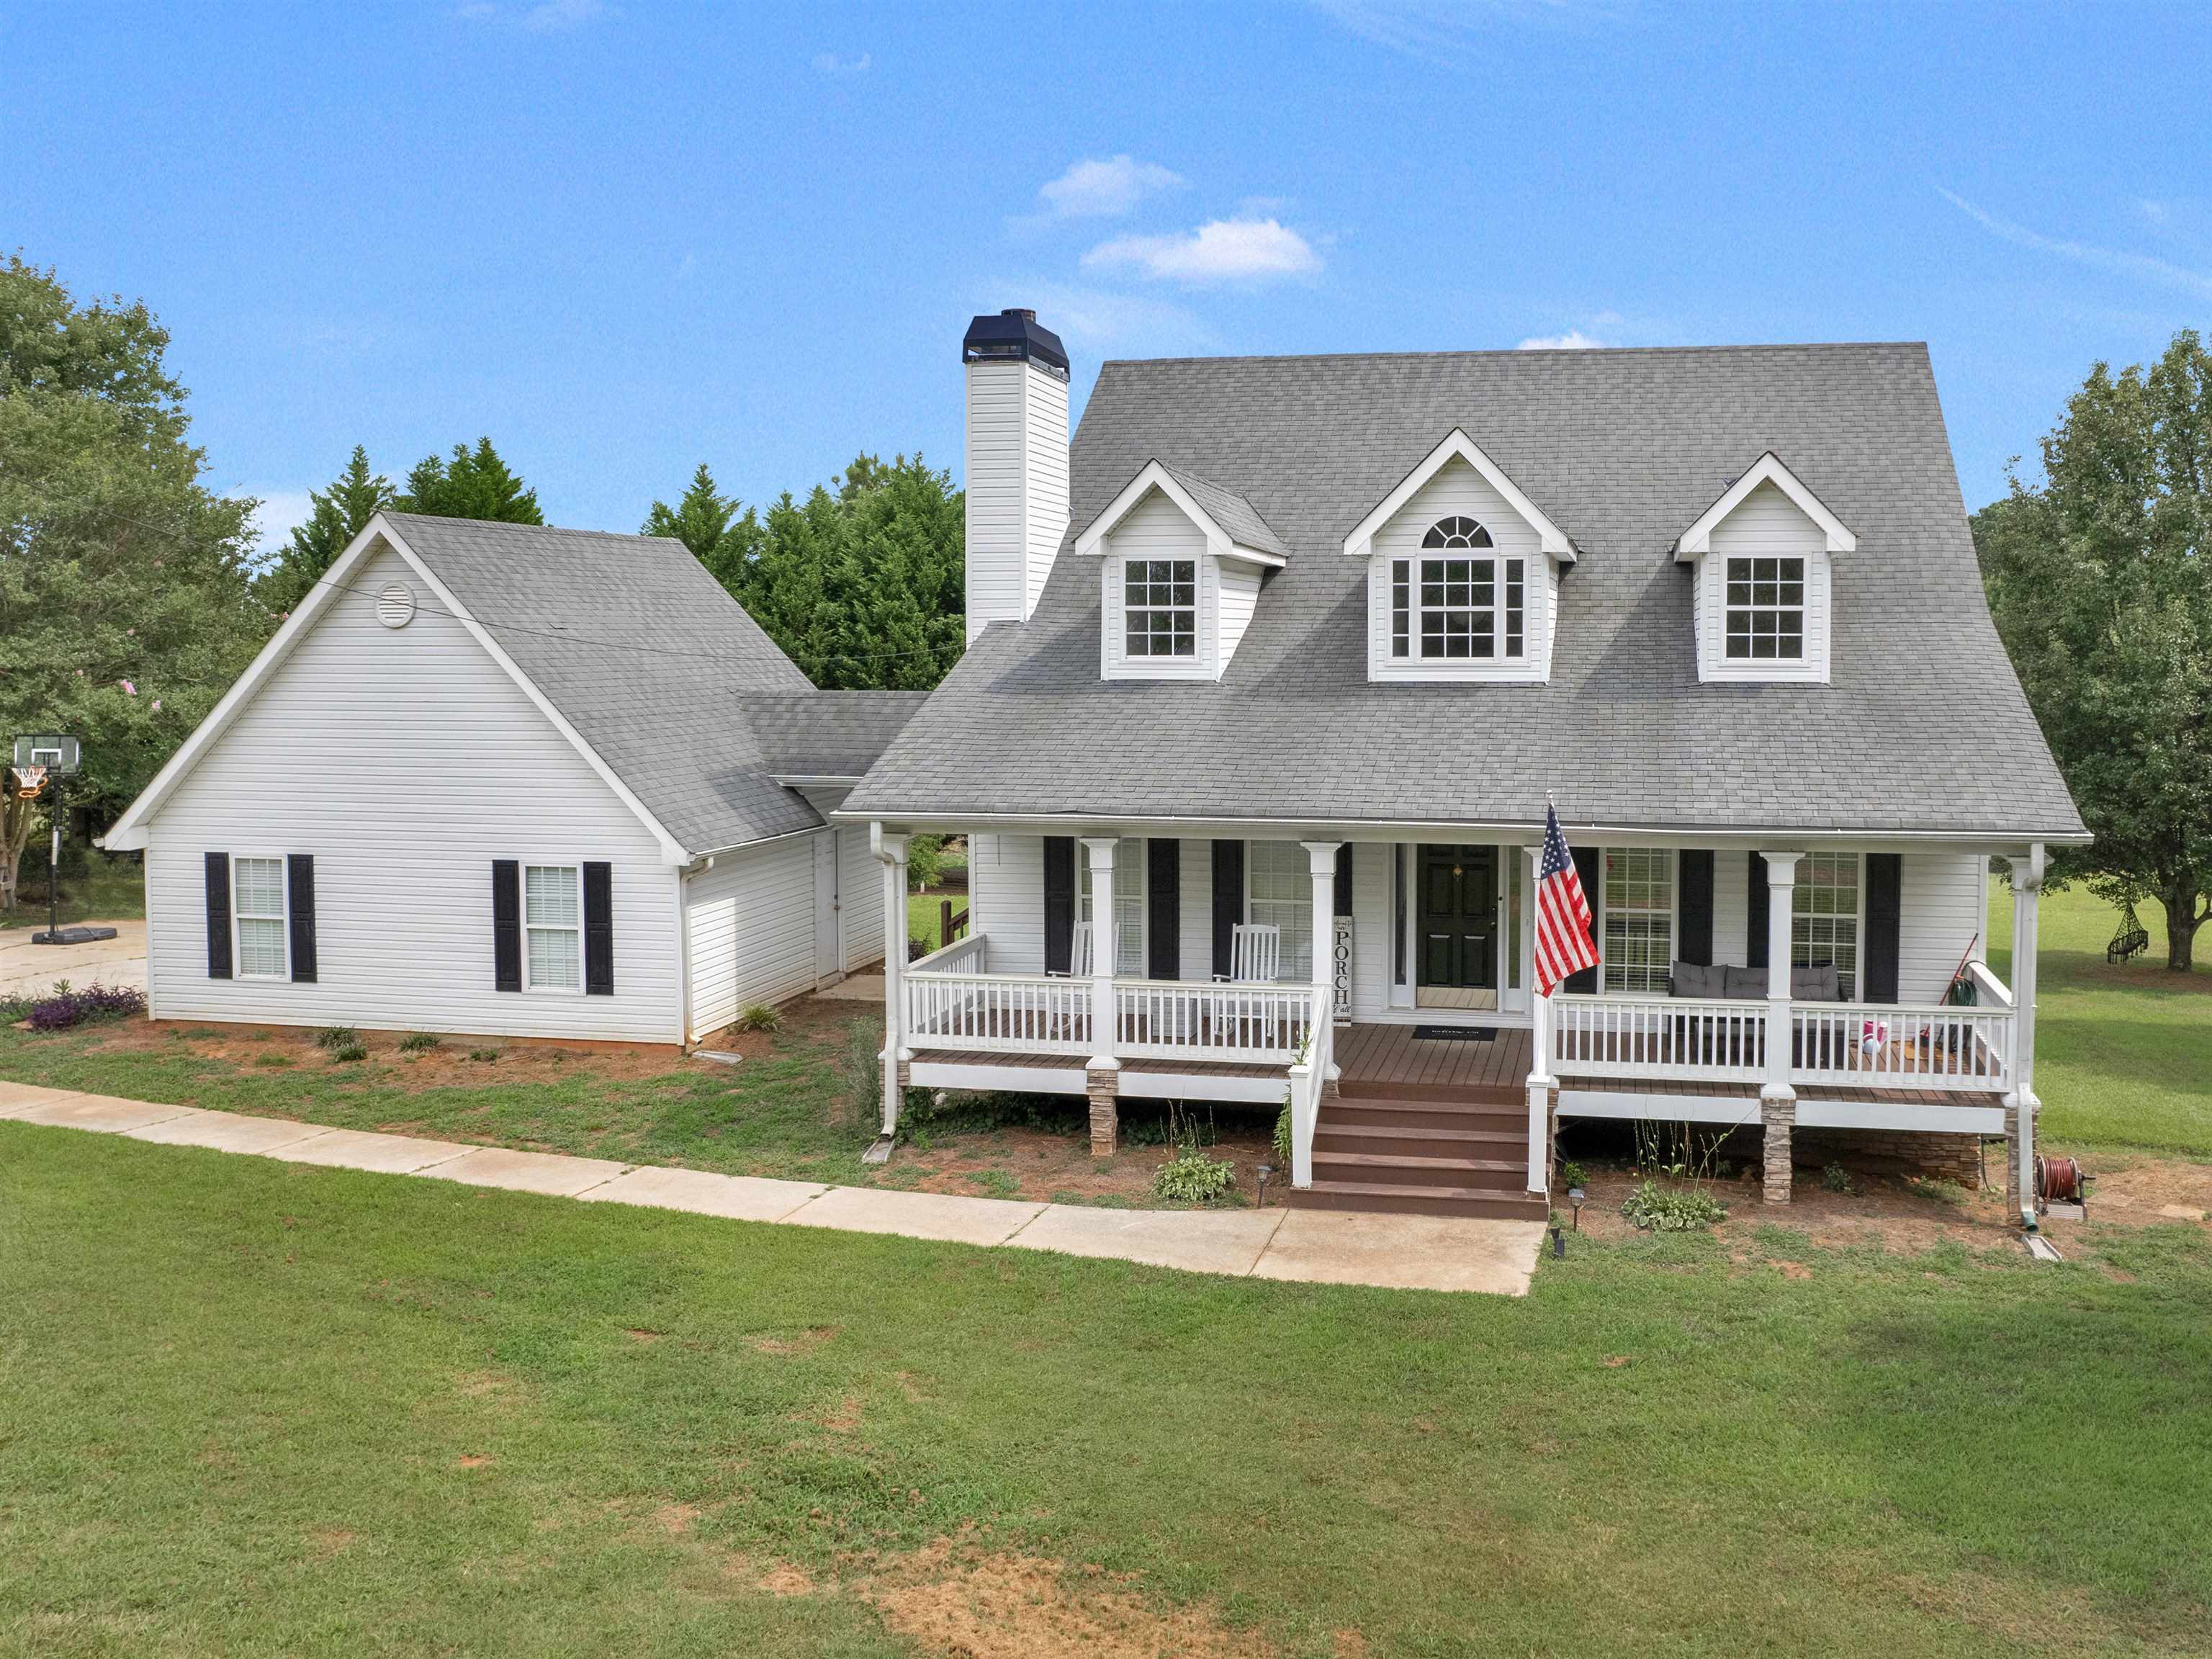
1273	669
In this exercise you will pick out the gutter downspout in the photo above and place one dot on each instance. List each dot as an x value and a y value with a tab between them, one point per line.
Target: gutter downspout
2026	943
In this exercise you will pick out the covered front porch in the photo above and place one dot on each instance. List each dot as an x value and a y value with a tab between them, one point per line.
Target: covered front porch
1348	1013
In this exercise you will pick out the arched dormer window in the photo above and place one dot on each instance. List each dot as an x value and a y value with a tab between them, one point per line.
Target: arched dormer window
1450	606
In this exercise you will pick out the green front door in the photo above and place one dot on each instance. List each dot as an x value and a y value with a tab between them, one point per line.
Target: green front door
1458	917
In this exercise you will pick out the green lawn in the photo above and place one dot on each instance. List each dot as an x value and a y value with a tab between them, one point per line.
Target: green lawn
106	890
2123	1054
240	1395
925	916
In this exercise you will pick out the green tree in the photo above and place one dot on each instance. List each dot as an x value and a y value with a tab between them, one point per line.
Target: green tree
722	533
336	516
124	604
472	484
2098	583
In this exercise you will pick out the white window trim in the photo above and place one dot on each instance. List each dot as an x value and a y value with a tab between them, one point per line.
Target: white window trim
1600	912
1858	919
1697	539
284	893
1715	665
522	906
1285	972
1550	538
1116	663
1458	668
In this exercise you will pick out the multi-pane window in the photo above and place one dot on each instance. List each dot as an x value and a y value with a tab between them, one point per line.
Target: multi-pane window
256	888
1824	916
1766	609
553	926
1128	904
1639	918
1159	600
1452	604
1280	895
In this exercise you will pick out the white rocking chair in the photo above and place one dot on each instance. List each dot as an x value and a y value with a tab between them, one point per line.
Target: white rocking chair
1078	954
1255	954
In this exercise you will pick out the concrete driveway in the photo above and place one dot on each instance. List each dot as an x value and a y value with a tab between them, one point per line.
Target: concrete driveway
30	970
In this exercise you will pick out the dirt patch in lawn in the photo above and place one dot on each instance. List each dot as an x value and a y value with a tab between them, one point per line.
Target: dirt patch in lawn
955	1596
1049	1165
1908	1219
448	1066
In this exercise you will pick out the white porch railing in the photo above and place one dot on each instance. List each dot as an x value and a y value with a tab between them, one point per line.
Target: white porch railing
1175	1019
1888	1046
1309	1078
1646	1036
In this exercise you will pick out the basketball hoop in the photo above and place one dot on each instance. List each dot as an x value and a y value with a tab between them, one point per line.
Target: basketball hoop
30	781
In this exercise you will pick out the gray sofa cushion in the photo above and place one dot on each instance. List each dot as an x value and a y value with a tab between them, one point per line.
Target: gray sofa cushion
1743	982
1818	983
1694	978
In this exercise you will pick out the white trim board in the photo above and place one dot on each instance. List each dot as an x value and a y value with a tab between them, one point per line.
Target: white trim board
1154	476
1554	541
1767	469
1742	1111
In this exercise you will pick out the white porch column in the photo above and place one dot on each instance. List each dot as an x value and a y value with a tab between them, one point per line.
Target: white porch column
1321	861
1777	1096
2026	889
1104	951
891	851
1541	1083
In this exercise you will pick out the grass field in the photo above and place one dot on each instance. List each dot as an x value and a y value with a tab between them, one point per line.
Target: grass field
258	1408
105	891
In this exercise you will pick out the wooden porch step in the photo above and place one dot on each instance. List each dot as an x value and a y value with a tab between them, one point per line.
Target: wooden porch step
1391	1198
1396	1169
1492	1095
1336	1134
1399	1112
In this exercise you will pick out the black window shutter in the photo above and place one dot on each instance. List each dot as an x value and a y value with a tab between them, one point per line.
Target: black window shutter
1228	901
1754	942
1693	896
218	915
300	894
1164	908
1591	874
1059	903
1344	878
598	930
506	924
1884	895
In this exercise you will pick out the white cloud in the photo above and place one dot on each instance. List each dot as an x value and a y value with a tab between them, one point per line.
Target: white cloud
549	16
1097	323
1573	340
829	62
2116	260
1100	189
1221	251
281	512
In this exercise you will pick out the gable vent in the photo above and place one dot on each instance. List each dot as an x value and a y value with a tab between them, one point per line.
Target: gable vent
395	605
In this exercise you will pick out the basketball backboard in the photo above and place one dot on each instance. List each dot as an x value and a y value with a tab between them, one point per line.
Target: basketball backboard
55	751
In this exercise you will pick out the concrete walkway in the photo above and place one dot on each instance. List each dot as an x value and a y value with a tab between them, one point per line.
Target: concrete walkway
29	970
1428	1253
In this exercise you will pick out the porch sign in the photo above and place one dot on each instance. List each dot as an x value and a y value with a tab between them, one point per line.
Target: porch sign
1340	956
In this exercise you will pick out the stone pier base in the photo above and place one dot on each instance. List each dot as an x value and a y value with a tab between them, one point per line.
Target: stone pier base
1780	1117
1104	1088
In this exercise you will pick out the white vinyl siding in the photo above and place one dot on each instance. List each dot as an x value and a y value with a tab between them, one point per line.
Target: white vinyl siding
1157	532
1459	491
751	927
1239	596
1017	474
1005	897
406	761
1766	525
1279	878
257	887
552	927
1941	897
1044	498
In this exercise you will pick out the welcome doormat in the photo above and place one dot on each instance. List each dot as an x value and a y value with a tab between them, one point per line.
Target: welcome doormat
1453	1033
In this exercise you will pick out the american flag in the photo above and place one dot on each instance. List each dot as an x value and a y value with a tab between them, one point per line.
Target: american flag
1563	913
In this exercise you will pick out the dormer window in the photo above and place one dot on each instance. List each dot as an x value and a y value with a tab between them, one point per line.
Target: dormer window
1765	556
1766	609
1159	607
1445	608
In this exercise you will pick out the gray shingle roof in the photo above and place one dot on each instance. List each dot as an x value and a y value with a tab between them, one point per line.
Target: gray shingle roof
692	706
1231	512
1923	729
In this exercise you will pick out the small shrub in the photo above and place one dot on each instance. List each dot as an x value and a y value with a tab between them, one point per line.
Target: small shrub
272	1060
484	1055
335	1037
1836	1178
67	1007
1570	1173
415	1042
1191	1177
13	1008
347	1055
1283	1142
1672	1209
759	1018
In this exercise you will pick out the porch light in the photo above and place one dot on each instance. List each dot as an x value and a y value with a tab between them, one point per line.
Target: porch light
1266	1169
1577	1197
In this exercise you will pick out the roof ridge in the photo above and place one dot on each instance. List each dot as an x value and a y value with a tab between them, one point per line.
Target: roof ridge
1525	351
530	529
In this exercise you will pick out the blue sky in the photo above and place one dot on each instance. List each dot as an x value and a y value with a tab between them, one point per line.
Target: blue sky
624	238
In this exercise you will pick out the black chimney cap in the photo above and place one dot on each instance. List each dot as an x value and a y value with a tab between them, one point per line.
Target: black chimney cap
1013	334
